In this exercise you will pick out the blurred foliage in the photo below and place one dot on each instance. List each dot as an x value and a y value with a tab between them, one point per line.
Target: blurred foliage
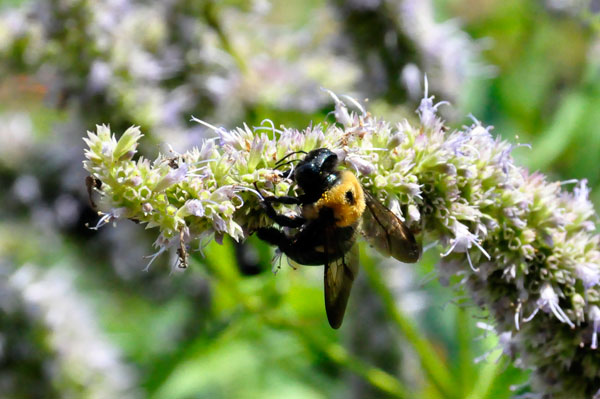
226	327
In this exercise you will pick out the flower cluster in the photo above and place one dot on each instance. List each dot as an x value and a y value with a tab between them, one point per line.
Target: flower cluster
50	345
524	246
414	43
154	64
448	55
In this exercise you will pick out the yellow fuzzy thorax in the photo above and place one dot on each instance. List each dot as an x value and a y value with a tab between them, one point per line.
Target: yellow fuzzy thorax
347	208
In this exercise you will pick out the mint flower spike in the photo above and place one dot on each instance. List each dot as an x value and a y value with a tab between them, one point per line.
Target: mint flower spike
64	334
526	248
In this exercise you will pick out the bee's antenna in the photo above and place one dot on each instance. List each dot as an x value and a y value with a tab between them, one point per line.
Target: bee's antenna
279	165
289	155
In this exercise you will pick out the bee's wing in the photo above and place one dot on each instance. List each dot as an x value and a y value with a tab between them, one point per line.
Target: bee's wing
339	276
386	232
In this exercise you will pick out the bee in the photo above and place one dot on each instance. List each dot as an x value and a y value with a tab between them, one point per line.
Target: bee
334	210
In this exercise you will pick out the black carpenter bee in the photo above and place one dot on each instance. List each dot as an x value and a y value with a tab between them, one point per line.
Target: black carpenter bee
334	208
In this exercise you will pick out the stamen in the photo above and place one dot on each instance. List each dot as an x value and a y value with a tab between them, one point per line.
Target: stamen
549	299
276	262
208	125
436	106
269	121
526	145
206	161
153	257
531	316
470	263
449	250
481	249
332	94
241	188
430	245
356	104
571	181
202	245
560	314
474	119
103	221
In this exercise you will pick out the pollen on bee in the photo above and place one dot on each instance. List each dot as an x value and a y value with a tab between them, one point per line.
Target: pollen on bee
346	199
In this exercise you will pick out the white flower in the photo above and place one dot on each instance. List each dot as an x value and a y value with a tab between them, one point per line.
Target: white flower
595	318
194	207
112	216
462	242
548	302
174	176
427	111
589	273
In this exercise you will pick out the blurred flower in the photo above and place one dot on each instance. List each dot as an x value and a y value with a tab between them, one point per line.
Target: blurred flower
574	7
26	189
410	45
448	55
16	138
48	327
521	243
153	64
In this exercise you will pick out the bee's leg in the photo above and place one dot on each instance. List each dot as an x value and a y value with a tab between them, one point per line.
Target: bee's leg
285	199
287	174
275	237
281	220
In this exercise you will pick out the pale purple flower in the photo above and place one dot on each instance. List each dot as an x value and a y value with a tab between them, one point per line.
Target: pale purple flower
174	176
589	273
162	243
548	302
194	207
360	164
112	216
463	241
427	110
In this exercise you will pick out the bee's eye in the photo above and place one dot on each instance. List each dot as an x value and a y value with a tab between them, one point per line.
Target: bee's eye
350	197
329	163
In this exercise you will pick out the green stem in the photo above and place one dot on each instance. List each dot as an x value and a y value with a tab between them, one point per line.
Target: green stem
336	353
466	369
434	367
486	380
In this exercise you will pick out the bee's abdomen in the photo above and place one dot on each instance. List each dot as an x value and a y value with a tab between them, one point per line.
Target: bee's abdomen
317	246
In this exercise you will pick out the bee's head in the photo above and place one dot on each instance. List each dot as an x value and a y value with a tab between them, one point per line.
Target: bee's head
314	171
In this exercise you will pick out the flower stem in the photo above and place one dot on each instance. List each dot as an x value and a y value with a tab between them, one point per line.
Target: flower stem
335	352
486	379
436	370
